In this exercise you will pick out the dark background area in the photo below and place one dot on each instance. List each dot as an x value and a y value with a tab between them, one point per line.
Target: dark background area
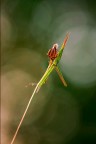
57	115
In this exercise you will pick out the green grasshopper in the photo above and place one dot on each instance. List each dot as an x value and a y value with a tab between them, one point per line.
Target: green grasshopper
55	57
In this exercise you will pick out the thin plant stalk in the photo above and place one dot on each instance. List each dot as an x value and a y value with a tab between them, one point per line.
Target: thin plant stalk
51	67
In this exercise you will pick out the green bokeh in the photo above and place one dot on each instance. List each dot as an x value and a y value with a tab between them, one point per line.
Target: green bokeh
57	115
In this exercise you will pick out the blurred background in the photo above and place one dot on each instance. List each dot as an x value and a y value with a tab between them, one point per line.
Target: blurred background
57	115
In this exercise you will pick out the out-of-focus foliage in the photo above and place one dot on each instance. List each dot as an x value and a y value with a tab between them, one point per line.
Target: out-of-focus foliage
57	115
